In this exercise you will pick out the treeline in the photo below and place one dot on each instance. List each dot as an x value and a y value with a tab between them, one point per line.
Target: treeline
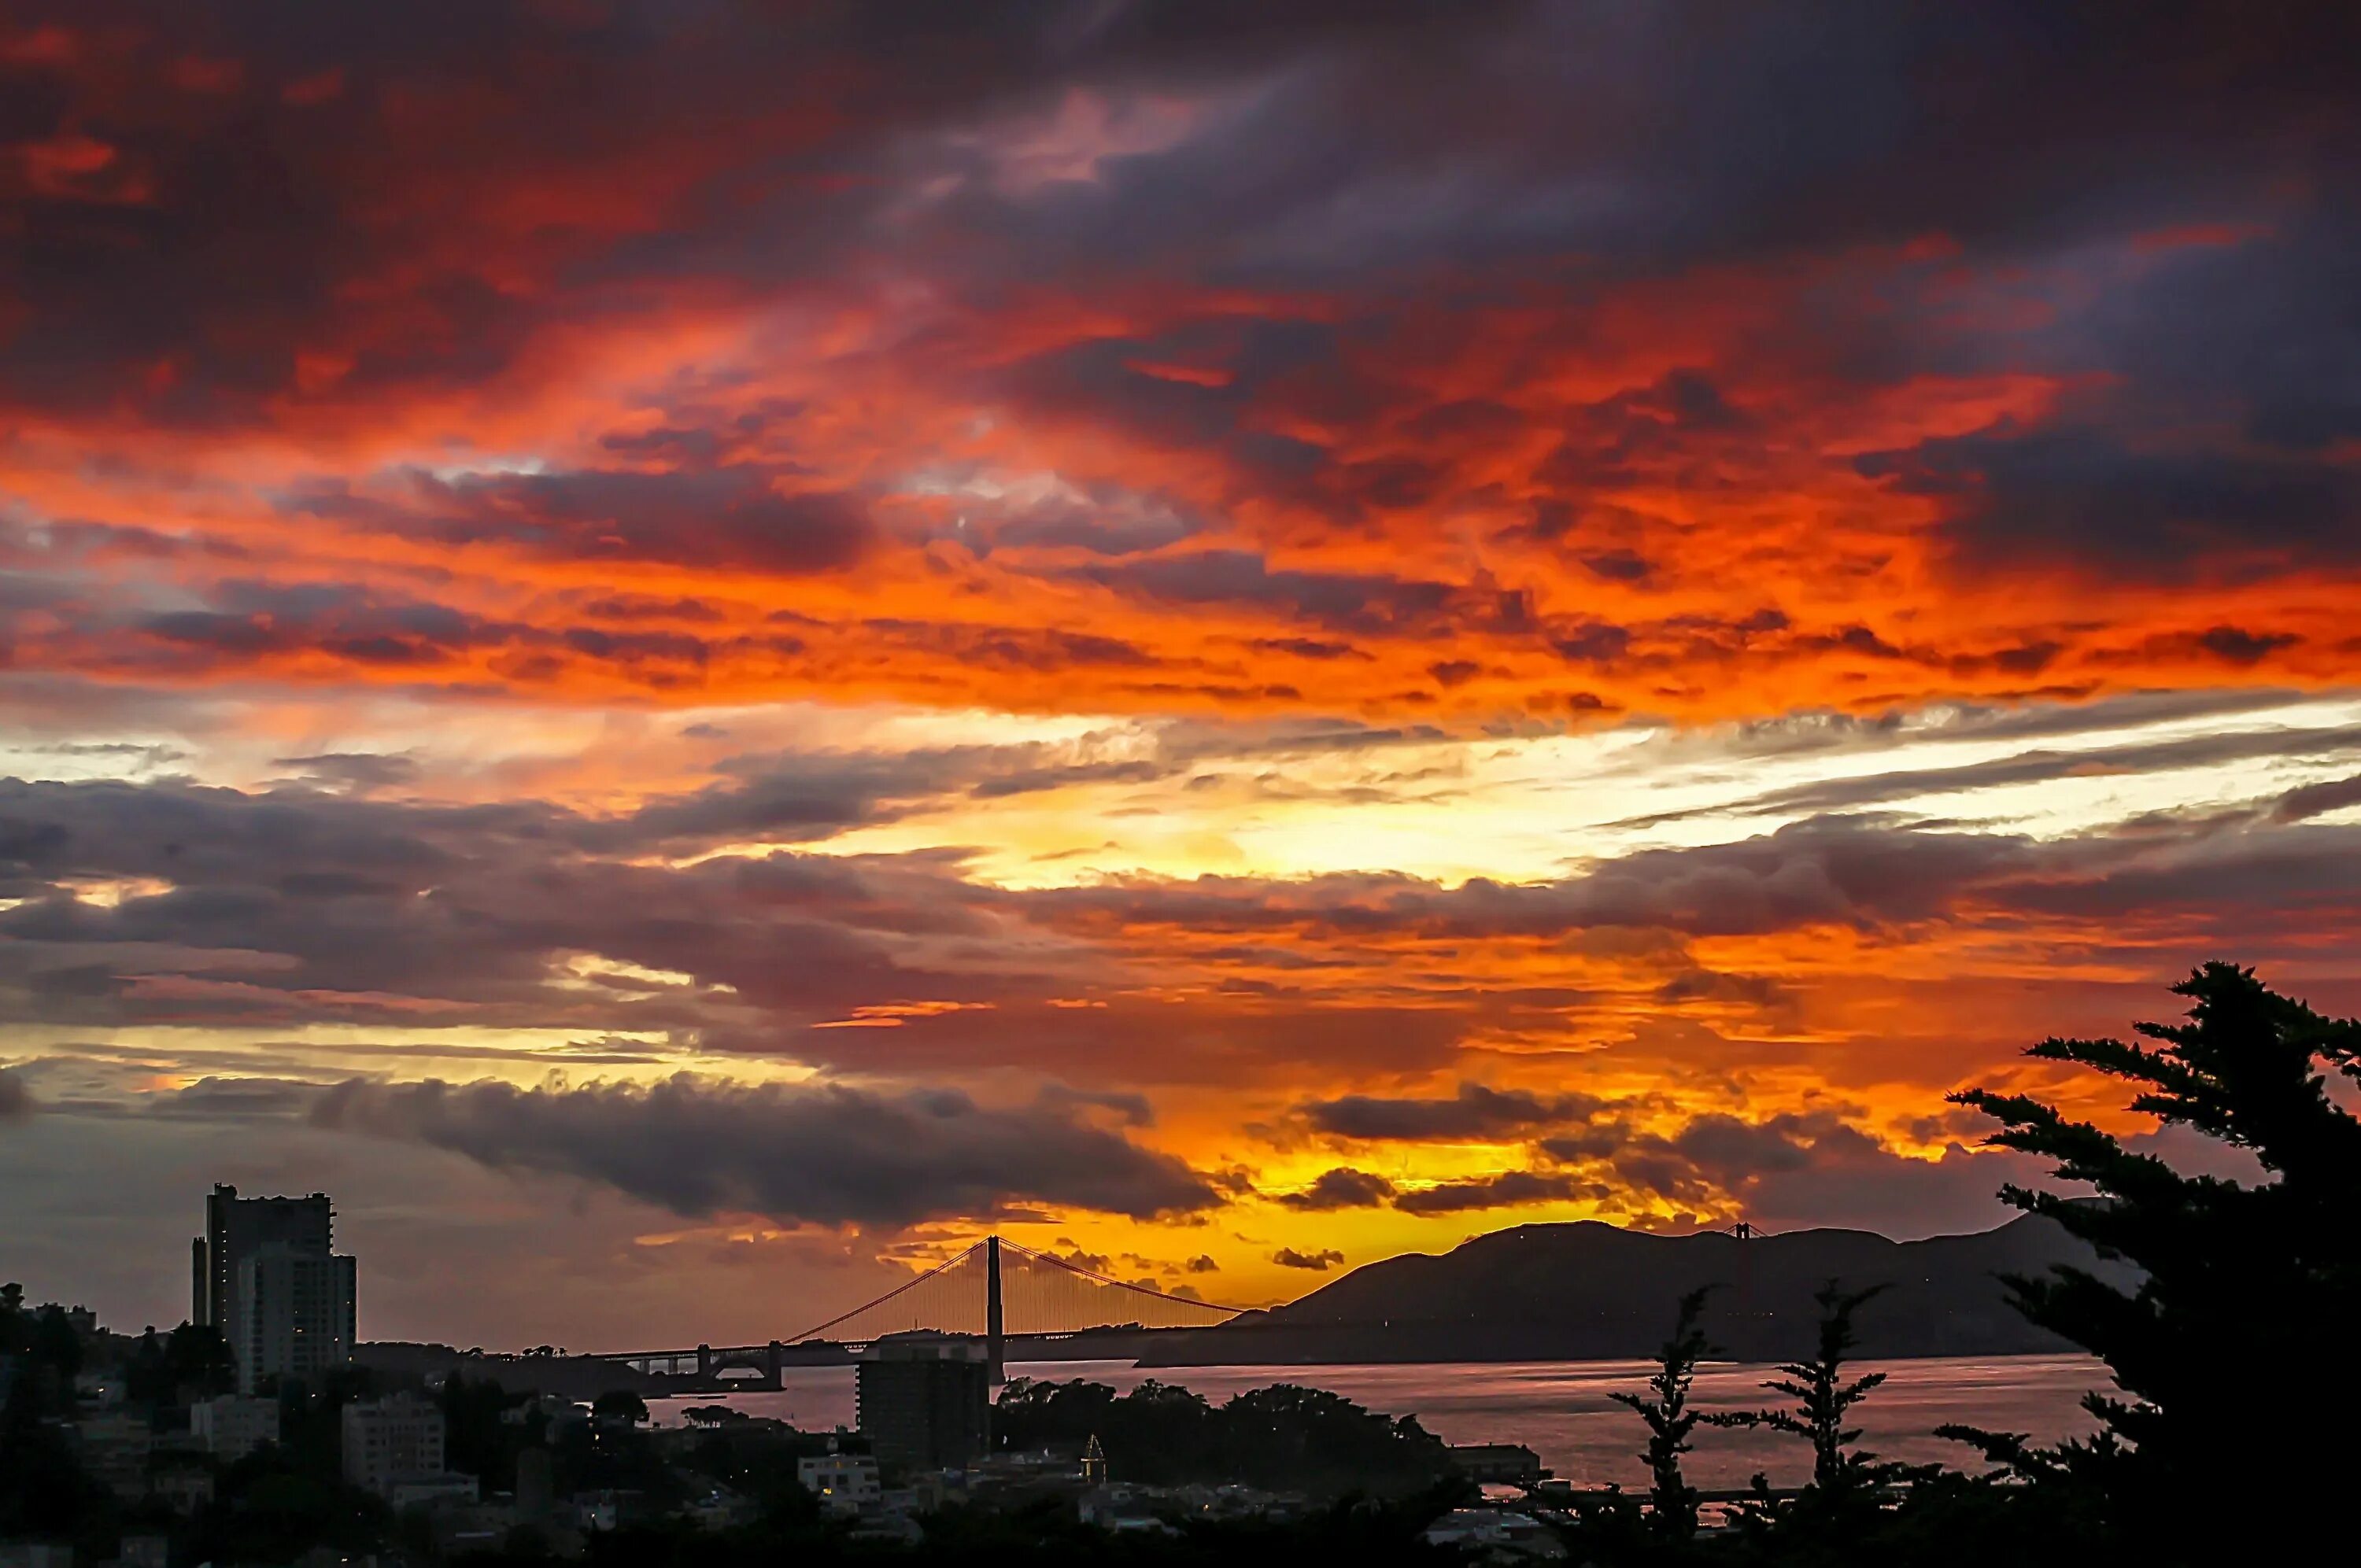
1281	1438
2230	1425
42	1488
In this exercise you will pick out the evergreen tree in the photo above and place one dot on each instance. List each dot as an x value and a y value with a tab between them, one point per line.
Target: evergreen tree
2242	1284
1671	1501
1824	1401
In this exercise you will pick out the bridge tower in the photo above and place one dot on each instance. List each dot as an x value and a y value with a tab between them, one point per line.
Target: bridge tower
995	1326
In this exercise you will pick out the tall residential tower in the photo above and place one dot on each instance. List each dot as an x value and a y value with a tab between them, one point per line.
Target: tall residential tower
266	1276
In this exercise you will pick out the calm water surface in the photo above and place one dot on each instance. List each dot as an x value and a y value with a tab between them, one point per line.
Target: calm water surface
1560	1408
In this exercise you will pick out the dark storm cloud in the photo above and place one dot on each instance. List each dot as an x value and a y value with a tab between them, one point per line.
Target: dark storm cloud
829	1155
2032	767
1505	1190
1864	872
2264	332
1131	1107
1343	1188
312	904
1806	1167
792	802
1816	1170
308	906
2019	495
1635	137
1318	1262
263	172
361	771
232	215
1475	1113
2315	800
246	620
1337	602
1017	649
725	517
302	905
234	1100
2012	135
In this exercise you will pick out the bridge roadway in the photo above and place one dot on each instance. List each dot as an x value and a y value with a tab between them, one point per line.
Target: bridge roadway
707	1367
1088	1303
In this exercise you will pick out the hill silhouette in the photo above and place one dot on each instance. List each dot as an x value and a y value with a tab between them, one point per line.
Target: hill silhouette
1590	1290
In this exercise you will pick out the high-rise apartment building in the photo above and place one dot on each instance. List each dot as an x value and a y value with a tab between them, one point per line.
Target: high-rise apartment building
295	1312
235	1228
265	1274
924	1400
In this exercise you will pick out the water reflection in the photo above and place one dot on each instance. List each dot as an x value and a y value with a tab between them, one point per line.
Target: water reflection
1561	1410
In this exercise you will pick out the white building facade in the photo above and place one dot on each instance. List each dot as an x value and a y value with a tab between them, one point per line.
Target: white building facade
844	1483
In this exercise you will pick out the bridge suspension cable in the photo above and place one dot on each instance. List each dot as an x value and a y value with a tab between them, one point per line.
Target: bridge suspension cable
1037	1294
911	1307
1063	1292
1042	1294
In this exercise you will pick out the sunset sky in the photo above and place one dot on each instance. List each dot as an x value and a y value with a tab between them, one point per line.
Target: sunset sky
693	651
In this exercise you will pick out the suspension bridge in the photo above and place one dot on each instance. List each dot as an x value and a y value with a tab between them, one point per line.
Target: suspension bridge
998	1290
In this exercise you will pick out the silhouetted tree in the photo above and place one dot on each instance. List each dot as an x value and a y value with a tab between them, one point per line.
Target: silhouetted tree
1279	1436
477	1438
620	1405
2240	1281
1671	1501
194	1362
42	1486
1824	1401
55	1343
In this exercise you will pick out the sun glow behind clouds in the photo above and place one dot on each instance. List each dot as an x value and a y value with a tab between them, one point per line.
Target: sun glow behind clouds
1526	808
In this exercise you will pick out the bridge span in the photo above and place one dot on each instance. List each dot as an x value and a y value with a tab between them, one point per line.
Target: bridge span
1002	1292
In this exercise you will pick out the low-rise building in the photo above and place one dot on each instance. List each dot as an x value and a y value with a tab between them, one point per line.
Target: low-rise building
609	1508
1499	1532
1500	1464
231	1426
183	1482
844	1483
390	1438
430	1489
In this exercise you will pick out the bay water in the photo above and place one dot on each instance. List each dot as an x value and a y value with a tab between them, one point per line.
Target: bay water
1561	1409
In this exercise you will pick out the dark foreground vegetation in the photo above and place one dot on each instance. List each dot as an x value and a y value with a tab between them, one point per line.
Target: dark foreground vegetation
1282	1438
2220	1307
2232	1424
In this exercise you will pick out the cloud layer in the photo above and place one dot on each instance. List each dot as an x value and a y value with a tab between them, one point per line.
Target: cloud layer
1098	358
829	1155
1289	629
